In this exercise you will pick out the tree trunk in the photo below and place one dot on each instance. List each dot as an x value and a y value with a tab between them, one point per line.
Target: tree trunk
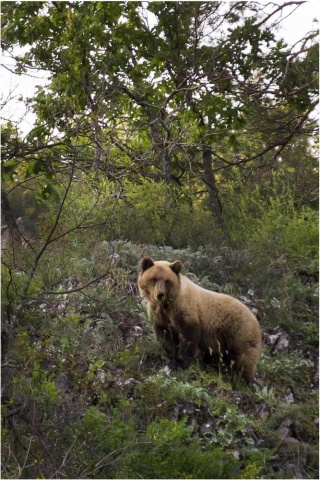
160	144
213	192
8	221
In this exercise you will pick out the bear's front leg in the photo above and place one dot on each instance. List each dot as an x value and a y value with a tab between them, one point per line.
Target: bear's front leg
189	339
169	339
246	362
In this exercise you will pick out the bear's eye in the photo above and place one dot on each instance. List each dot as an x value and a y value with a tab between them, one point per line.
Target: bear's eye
168	283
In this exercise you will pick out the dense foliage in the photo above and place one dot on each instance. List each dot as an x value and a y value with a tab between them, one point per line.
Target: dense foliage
181	130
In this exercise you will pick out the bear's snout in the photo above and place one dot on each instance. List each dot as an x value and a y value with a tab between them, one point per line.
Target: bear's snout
160	291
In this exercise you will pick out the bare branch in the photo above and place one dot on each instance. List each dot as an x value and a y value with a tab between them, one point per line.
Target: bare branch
49	238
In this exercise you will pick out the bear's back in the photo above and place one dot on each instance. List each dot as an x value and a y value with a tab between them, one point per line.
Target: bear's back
220	308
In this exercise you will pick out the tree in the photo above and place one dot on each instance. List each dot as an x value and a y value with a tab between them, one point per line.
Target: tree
168	90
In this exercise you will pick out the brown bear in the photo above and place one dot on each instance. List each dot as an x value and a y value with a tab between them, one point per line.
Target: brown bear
193	322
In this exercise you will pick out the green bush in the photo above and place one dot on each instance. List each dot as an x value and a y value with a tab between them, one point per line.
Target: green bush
168	450
267	221
155	213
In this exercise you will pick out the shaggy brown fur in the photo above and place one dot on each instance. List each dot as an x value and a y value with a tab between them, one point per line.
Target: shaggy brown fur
193	322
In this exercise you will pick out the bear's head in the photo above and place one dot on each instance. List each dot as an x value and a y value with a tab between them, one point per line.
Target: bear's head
159	282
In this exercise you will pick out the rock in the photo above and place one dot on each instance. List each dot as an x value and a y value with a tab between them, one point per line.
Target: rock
206	283
137	331
284	429
283	432
101	374
263	412
193	278
289	398
236	454
278	341
62	382
275	302
245	300
293	441
62	307
287	422
206	428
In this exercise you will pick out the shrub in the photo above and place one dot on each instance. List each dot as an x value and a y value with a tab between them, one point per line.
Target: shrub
155	213
268	222
171	452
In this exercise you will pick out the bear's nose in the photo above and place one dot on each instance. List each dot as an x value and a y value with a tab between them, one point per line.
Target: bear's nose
160	296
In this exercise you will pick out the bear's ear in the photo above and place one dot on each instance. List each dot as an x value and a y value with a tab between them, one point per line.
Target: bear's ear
176	267
146	263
